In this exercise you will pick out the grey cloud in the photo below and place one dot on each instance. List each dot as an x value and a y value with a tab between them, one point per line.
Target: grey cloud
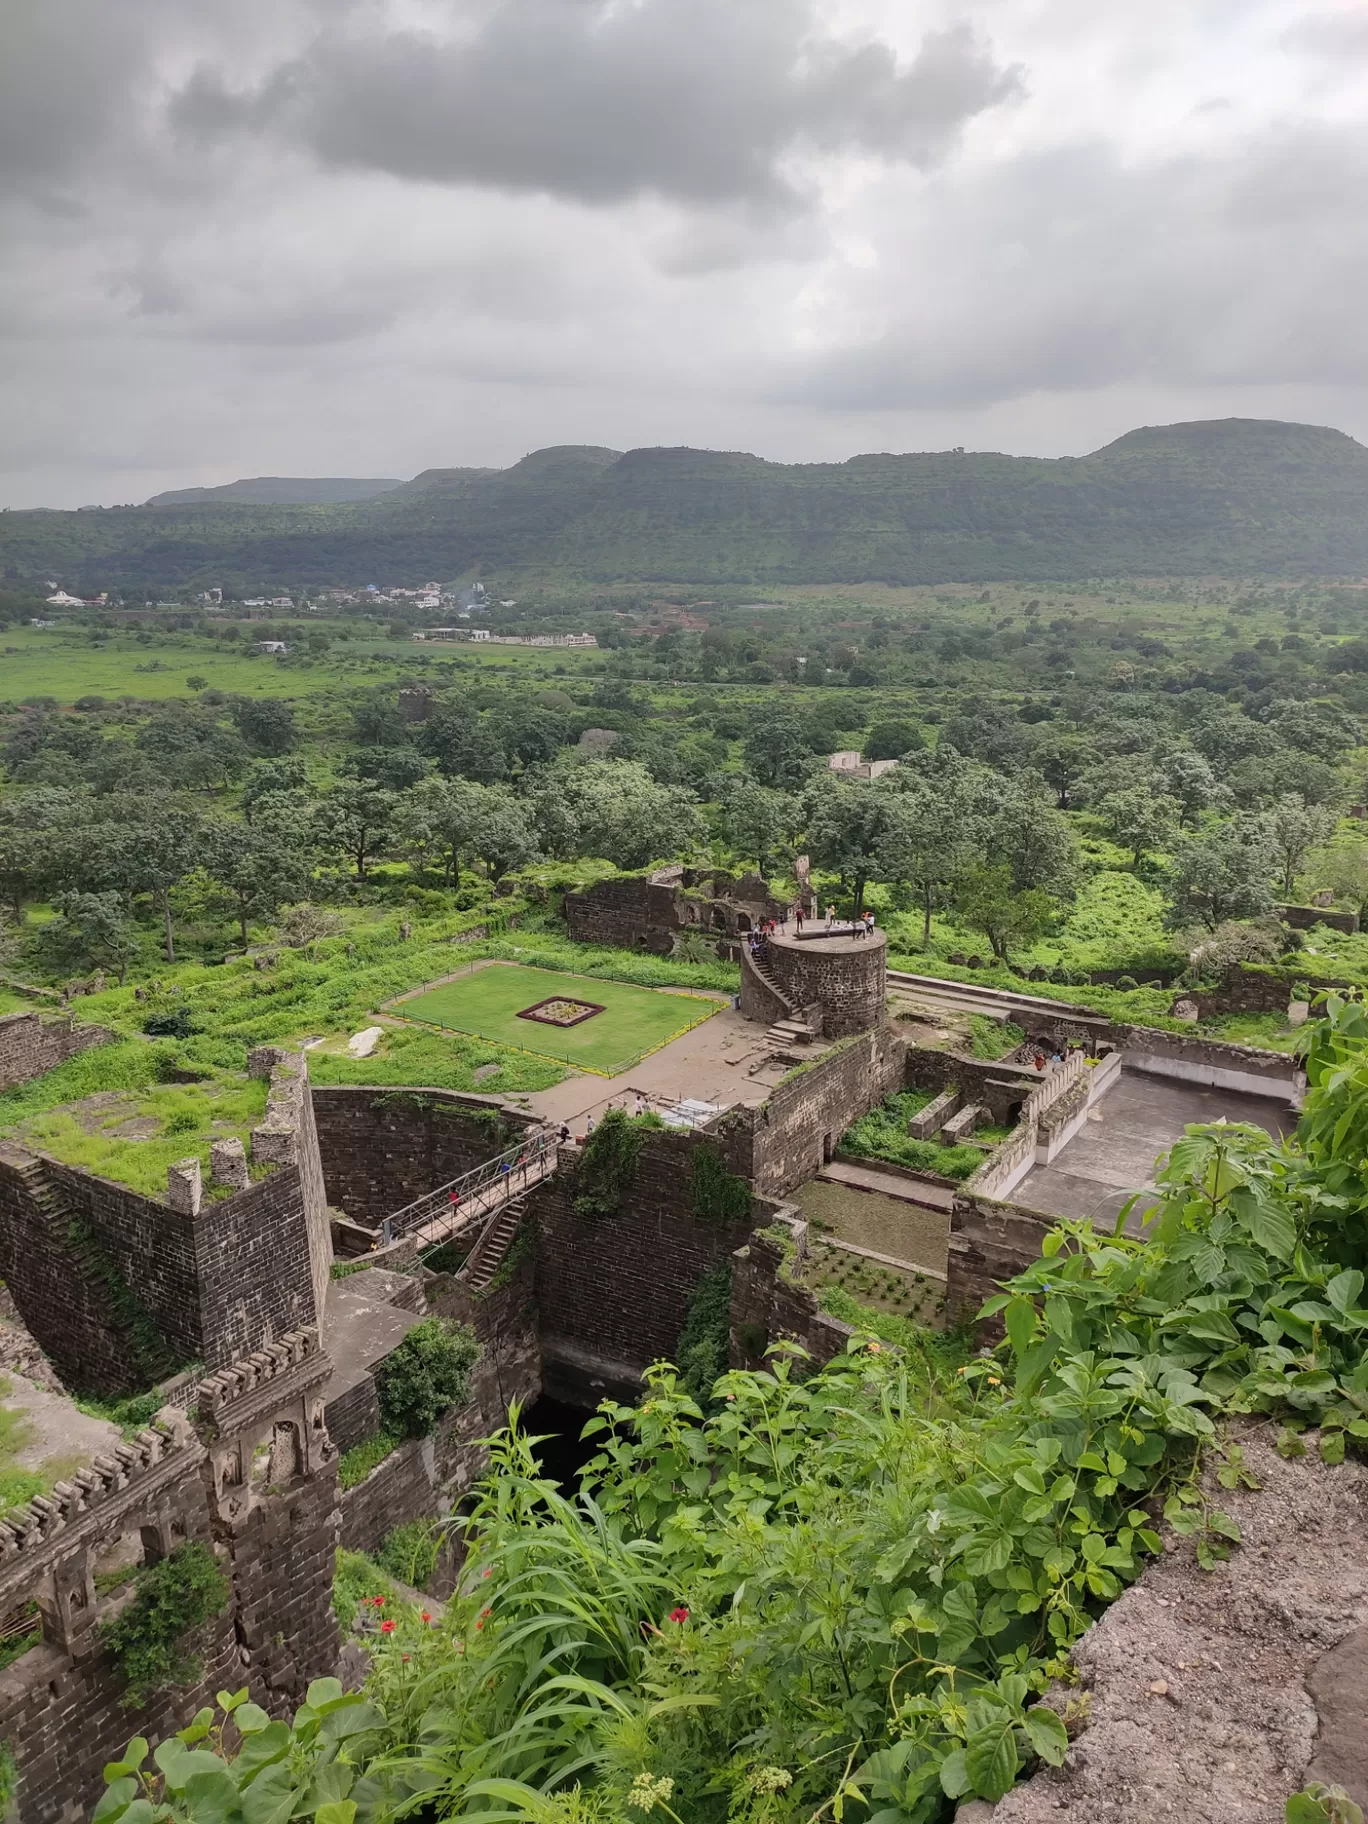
1069	271
699	101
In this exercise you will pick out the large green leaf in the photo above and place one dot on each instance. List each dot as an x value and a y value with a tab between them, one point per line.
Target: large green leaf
1049	1737
990	1758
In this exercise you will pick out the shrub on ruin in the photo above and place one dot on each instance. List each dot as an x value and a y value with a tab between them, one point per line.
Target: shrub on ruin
718	1195
410	1553
425	1376
608	1162
704	1344
147	1640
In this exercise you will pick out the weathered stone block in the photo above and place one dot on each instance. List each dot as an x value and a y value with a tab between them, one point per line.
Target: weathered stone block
228	1163
184	1188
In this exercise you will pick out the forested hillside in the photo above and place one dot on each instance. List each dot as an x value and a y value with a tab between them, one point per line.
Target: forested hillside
1235	497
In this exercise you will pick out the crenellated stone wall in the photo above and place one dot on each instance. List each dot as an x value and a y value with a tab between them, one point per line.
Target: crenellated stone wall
271	1521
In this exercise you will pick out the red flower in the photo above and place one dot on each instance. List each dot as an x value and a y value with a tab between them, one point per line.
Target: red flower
379	1601
479	1624
426	1616
486	1611
387	1627
488	1571
679	1615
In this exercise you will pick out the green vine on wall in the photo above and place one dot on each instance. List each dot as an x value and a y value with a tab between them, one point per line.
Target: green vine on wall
608	1164
147	1639
152	1357
718	1195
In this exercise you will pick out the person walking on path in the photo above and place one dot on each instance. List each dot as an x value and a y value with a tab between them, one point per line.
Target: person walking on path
798	917
869	924
830	916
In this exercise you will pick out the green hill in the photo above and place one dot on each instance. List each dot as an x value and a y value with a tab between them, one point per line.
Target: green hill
278	490
1235	497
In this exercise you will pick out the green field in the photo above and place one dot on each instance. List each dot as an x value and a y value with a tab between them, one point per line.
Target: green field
634	1021
67	663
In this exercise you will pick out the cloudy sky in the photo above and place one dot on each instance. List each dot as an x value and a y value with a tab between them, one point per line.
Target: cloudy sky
365	237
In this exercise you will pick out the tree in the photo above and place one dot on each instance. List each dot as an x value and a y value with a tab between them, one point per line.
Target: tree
255	871
891	739
1294	829
1011	918
1188	778
504	837
464	745
853	828
1062	760
265	724
162	851
355	819
90	931
306	924
268	777
1141	820
776	747
756	819
933	838
1027	834
614	810
1222	874
394	768
441	816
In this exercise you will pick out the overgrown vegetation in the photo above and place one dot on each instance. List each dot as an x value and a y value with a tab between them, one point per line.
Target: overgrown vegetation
882	1134
147	1638
704	1343
718	1195
354	1465
607	1163
410	1552
856	1587
425	1376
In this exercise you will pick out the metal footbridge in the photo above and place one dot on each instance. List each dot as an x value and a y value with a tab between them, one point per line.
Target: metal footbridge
468	1208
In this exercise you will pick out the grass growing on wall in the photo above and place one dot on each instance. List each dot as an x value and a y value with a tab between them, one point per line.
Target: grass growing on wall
169	1122
354	1465
882	1134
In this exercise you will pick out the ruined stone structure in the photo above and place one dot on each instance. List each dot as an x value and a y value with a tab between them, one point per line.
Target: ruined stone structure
89	1263
838	984
31	1045
271	1522
648	911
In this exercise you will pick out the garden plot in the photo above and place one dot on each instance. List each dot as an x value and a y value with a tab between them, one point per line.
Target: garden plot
585	1022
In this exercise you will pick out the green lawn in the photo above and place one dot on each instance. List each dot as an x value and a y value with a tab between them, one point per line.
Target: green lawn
487	1003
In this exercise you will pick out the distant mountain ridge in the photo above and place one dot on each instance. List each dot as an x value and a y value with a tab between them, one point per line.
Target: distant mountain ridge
1234	496
278	491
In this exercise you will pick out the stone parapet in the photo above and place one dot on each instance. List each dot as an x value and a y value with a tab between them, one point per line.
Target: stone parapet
31	1045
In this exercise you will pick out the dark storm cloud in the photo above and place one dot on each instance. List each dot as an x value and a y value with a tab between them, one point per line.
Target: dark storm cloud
1066	271
701	101
68	75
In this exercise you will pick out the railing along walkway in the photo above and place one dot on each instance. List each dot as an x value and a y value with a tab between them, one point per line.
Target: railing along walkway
476	1195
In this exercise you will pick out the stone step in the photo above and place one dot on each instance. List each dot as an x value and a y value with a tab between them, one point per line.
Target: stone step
961	1125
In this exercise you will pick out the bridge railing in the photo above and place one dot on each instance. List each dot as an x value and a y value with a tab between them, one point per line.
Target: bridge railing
510	1172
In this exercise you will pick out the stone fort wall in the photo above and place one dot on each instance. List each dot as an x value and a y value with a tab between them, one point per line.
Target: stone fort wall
381	1148
31	1045
62	1709
86	1259
617	1287
848	978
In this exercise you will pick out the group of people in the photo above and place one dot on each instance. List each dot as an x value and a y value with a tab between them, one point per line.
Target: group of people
800	916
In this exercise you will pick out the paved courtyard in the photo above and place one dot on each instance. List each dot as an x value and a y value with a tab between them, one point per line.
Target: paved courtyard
1114	1153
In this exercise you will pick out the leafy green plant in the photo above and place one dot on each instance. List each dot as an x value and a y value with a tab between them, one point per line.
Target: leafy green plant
146	1640
425	1376
704	1342
410	1552
607	1164
1318	1804
718	1195
354	1465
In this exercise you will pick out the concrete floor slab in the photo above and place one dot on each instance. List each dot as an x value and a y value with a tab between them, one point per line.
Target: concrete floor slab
360	1329
726	1060
1113	1155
